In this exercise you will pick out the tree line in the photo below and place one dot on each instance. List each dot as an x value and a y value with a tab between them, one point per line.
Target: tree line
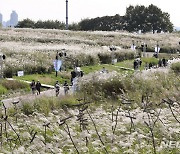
137	18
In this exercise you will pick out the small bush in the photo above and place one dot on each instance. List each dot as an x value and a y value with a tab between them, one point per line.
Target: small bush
11	112
85	60
98	90
14	85
176	67
68	101
124	56
27	108
42	105
105	58
8	72
41	69
3	90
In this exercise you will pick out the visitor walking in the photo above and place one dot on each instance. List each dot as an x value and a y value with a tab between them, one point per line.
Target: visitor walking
57	88
73	75
38	87
66	87
33	86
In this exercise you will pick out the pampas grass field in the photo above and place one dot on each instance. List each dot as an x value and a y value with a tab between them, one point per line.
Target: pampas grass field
129	112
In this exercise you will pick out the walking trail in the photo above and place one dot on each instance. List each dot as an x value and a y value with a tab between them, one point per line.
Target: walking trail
51	92
29	97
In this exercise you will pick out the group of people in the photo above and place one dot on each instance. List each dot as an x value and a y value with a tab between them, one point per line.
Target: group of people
162	62
35	86
75	74
57	87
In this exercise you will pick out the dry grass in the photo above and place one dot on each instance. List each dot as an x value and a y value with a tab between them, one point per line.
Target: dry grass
38	46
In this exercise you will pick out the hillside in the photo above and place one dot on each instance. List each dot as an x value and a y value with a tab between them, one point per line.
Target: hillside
112	111
24	47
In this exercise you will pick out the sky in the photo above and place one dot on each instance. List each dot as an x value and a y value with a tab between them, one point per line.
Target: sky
81	9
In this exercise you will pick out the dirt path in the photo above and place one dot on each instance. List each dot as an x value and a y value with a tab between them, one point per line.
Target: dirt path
50	93
166	69
29	97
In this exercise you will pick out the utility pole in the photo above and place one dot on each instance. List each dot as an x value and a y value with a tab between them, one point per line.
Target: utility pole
67	15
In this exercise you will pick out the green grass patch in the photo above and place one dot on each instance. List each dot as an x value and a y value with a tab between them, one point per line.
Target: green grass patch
152	60
47	104
14	85
66	75
109	67
49	79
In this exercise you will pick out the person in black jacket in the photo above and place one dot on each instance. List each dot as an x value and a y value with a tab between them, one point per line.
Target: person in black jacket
38	87
33	86
73	75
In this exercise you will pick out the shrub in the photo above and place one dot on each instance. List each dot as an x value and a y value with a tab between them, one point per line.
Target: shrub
124	55
98	90
67	101
176	67
42	105
14	85
50	69
41	69
84	60
46	105
3	90
154	87
105	58
8	72
11	112
27	108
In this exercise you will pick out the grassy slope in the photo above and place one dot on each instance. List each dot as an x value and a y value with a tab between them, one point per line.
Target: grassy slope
62	76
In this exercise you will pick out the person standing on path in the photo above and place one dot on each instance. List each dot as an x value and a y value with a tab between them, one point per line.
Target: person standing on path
38	87
33	86
66	87
57	88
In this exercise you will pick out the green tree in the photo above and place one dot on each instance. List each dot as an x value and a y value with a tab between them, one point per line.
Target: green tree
147	19
26	23
74	26
106	23
39	24
135	17
50	24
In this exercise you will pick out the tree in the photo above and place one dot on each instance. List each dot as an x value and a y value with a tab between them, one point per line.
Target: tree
74	26
147	19
26	23
134	19
105	23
